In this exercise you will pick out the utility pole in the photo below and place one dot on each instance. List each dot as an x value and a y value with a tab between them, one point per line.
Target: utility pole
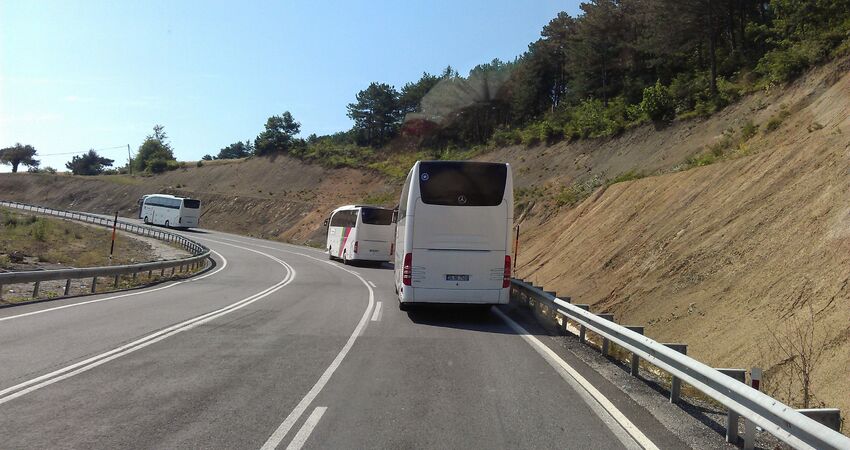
129	160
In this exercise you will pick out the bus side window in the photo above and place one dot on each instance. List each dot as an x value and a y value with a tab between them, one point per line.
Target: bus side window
402	207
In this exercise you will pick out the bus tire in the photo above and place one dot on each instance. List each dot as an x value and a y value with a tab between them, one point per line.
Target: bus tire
402	306
146	220
345	258
167	224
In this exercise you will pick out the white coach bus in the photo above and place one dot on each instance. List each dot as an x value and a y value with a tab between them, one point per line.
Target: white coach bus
453	234
360	233
171	211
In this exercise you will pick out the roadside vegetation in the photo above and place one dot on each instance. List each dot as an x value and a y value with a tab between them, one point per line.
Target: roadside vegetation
616	66
28	242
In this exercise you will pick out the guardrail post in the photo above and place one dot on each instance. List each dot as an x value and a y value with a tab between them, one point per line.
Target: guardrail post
117	279
67	287
1	292
162	272
172	271
605	342
635	369
582	331
732	416
134	276
750	430
93	284
675	382
150	273
830	417
35	289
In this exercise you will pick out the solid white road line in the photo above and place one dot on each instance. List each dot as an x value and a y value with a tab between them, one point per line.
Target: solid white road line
130	294
626	432
281	431
373	284
306	429
90	363
376	316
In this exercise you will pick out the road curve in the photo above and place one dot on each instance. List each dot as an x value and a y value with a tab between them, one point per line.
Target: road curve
276	347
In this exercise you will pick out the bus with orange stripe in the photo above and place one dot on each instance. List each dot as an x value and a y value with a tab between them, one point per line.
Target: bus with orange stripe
360	233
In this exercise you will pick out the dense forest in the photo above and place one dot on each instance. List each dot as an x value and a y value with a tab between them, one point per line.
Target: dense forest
617	65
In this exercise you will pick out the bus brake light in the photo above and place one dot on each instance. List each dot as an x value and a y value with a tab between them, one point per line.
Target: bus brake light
407	270
506	281
356	245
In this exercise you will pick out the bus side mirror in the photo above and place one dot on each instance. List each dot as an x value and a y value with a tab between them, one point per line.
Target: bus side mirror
325	223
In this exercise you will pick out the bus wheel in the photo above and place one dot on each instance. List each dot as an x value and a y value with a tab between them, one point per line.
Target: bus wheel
167	224
146	220
330	255
403	306
344	257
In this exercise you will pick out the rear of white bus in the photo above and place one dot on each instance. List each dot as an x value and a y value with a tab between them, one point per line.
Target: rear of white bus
375	233
190	213
459	216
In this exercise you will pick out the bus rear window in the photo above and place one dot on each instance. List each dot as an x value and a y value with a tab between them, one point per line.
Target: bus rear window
377	216
191	203
458	183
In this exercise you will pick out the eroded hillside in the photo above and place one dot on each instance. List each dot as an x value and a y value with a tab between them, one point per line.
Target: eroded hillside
718	256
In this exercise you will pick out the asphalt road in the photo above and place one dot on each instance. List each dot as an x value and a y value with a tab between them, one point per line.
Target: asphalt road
278	347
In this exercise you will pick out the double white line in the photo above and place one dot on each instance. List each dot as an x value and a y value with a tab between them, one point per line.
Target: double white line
34	384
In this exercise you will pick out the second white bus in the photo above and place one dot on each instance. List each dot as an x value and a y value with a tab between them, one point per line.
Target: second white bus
360	233
171	211
453	234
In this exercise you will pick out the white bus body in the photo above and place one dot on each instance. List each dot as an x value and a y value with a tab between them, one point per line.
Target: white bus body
453	233
360	233
171	211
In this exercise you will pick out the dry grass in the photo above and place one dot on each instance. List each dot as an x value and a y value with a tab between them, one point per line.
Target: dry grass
48	241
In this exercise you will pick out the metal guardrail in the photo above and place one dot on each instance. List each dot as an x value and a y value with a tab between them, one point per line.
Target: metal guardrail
792	427
199	253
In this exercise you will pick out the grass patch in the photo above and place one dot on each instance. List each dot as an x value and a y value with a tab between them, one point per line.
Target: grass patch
776	121
56	241
382	198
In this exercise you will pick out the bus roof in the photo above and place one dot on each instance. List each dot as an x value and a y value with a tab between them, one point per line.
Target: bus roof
343	208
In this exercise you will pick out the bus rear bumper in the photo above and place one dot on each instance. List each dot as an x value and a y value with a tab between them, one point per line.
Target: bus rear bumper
455	296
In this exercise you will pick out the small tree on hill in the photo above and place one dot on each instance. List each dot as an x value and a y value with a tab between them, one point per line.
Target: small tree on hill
155	148
17	155
278	136
88	164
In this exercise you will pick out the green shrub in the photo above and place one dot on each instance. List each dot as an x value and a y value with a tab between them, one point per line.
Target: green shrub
157	165
657	103
748	130
776	121
503	137
625	176
39	230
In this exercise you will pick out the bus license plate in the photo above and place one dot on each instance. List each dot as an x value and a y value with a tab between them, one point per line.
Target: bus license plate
457	277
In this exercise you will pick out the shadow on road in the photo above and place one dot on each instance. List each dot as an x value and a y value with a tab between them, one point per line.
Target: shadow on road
461	317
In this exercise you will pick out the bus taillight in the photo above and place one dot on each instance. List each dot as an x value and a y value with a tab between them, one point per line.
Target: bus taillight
356	246
506	280
407	270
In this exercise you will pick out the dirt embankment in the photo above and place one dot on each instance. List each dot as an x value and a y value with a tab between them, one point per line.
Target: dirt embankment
718	256
279	199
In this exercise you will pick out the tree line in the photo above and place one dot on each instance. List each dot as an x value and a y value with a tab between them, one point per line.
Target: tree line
618	64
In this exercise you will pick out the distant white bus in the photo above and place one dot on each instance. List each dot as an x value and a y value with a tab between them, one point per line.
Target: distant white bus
171	211
453	234
360	233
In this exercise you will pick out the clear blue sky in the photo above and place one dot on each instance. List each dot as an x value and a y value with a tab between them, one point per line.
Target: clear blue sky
95	74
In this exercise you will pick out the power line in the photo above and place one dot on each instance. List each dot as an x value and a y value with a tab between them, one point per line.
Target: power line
83	151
